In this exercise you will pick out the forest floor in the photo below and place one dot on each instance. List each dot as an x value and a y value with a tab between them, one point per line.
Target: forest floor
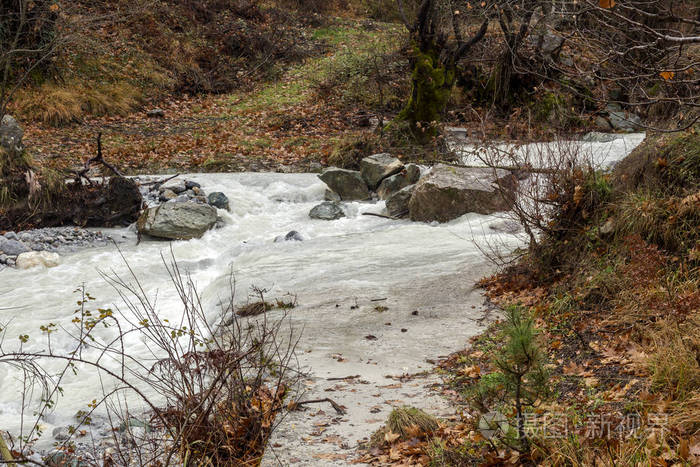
278	125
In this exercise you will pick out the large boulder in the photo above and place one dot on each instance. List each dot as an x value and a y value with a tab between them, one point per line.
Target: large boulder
37	258
448	192
327	211
347	184
10	134
177	221
390	185
397	204
377	167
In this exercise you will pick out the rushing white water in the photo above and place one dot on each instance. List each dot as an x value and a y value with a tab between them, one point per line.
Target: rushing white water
357	256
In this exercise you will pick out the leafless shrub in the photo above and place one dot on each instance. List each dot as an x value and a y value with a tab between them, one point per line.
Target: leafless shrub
560	183
212	393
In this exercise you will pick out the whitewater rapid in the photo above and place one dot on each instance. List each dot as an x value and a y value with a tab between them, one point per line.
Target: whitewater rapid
357	257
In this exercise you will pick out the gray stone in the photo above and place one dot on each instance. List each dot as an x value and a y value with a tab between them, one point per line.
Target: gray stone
397	204
327	211
177	221
176	186
598	137
377	167
60	433
11	236
190	185
331	195
396	182
3	259
10	134
167	195
291	236
218	200
448	192
183	198
622	120
608	227
12	247
602	123
348	184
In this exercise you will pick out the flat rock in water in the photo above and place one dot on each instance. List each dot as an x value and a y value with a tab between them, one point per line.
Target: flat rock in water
390	185
177	221
377	167
327	211
397	204
449	192
347	184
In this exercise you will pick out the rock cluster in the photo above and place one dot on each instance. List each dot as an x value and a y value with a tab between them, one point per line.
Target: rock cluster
52	240
614	118
444	193
178	209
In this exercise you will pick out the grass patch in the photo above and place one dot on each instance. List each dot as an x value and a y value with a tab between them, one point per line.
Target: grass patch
403	424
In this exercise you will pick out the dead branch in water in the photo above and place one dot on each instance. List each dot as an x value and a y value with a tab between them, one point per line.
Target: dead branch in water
297	405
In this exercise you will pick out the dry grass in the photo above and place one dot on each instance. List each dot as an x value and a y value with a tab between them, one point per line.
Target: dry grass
674	363
407	423
60	104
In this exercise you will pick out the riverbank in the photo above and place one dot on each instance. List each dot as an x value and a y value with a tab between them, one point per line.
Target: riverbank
613	300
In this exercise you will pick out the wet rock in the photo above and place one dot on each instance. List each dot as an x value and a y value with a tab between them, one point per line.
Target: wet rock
12	247
60	433
390	185
177	221
508	226
327	211
449	192
348	184
10	134
218	200
175	186
167	195
291	236
331	195
33	259
598	137
397	204
190	185
377	167
622	120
